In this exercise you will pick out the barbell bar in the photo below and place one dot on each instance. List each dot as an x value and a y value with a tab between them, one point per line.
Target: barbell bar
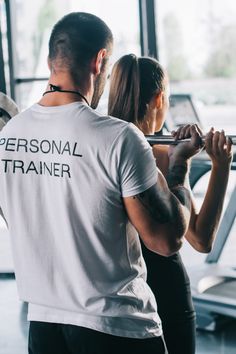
170	140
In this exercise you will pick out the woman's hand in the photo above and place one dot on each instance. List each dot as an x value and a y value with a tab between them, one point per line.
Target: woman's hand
219	148
186	150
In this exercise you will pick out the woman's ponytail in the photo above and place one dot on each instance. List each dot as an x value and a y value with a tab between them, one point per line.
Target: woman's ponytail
125	89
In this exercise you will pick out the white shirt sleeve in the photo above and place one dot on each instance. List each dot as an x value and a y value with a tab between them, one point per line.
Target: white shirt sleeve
136	164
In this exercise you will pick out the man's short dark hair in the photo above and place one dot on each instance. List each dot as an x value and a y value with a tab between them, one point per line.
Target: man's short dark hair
77	38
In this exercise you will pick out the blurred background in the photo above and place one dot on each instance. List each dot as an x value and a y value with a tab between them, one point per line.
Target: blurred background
194	40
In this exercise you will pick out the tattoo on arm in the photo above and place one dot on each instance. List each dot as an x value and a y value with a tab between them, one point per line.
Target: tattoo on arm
161	202
156	203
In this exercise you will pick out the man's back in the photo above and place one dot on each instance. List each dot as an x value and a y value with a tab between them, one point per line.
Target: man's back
64	171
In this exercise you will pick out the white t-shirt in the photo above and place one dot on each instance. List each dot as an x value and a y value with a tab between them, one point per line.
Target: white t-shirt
63	173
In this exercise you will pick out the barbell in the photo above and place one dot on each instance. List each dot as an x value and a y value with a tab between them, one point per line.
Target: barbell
170	140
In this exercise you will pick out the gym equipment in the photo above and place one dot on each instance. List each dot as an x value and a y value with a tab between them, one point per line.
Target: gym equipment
8	109
213	285
169	140
181	111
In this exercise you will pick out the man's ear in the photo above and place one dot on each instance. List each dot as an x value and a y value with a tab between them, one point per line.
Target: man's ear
97	64
159	100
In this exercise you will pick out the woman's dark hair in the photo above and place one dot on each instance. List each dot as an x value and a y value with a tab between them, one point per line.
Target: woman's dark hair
134	82
77	38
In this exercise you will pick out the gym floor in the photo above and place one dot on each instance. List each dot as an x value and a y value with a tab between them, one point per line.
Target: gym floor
14	327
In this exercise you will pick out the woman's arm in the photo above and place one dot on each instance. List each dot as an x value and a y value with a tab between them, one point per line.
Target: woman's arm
203	224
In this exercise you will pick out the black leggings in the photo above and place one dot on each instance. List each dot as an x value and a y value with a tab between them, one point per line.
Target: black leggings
170	284
50	338
180	334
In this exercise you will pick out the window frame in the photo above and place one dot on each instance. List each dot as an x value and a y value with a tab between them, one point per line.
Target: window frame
148	42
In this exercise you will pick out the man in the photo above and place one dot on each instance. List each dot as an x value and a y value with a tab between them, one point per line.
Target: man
75	189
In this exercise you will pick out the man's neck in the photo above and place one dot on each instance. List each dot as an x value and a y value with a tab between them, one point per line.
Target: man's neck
64	81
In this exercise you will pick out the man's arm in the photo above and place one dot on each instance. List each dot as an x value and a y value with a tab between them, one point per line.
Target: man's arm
160	217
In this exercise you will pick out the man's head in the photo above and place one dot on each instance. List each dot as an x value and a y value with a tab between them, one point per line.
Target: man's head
81	44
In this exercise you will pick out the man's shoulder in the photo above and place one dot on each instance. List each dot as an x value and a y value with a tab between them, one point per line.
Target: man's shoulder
109	122
120	129
15	122
107	125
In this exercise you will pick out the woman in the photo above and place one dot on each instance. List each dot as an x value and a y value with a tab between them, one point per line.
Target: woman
139	94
